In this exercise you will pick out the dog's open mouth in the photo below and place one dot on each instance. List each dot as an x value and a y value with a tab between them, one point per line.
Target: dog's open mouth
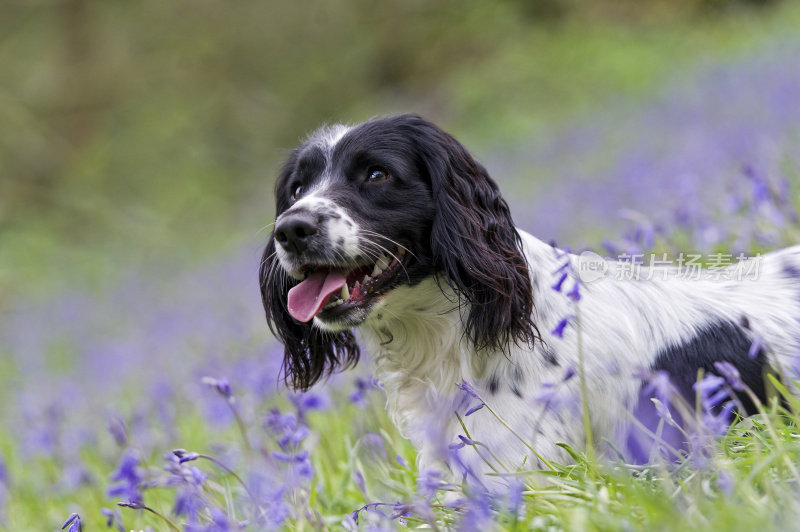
326	288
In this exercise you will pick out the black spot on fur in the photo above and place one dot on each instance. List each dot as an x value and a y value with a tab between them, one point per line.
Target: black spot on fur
340	241
349	224
334	215
494	384
549	355
518	376
723	341
515	390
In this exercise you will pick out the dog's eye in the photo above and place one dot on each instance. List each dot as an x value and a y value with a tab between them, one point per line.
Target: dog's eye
376	175
297	192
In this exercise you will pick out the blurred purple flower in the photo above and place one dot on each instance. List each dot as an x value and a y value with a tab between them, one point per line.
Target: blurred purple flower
113	518
118	430
429	482
128	478
558	331
73	522
363	386
560	282
755	348
358	480
465	386
220	385
307	401
574	294
711	389
731	374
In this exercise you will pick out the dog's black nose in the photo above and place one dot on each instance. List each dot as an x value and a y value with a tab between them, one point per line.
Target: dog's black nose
293	232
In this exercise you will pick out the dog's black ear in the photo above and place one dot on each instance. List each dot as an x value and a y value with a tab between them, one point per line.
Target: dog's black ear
309	353
475	243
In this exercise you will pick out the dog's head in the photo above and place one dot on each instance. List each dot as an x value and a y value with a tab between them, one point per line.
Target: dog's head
363	210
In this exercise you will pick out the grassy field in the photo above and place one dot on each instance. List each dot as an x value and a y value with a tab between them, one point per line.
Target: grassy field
135	364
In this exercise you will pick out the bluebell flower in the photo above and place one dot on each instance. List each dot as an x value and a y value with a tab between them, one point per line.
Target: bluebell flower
558	331
474	409
560	282
574	294
118	430
221	386
73	522
711	389
307	401
731	374
465	386
374	446
515	494
358	480
755	348
113	518
363	385
659	385
429	482
128	478
476	512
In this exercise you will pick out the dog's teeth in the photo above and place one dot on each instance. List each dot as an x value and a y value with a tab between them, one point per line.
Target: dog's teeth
366	279
345	292
376	270
401	252
383	262
334	303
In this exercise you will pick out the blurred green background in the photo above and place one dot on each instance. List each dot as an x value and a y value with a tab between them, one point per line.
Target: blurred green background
140	140
134	132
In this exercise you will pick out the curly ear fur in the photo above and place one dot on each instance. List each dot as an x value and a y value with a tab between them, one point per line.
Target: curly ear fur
475	243
309	353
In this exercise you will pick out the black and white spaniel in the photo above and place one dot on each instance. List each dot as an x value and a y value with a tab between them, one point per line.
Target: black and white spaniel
392	227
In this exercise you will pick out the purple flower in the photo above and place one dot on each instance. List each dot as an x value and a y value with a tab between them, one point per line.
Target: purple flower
464	385
711	390
731	374
307	401
429	482
300	463
363	385
189	501
558	331
515	494
466	440
220	385
560	282
358	479
574	294
470	391
128	478
474	409
477	513
118	430
755	348
73	522
660	386
113	518
185	456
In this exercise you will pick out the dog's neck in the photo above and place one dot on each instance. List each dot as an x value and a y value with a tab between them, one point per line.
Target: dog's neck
417	344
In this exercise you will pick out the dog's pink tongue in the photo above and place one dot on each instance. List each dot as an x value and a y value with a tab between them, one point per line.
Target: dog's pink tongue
306	298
